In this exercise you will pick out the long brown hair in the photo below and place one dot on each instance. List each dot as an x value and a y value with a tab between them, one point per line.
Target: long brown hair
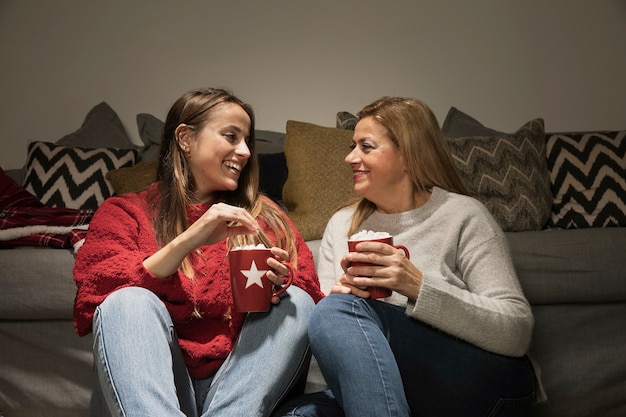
176	183
414	130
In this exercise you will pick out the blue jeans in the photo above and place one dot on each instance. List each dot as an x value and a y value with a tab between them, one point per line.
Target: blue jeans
140	369
379	362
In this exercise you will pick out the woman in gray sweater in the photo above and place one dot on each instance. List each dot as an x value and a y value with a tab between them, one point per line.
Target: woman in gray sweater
452	338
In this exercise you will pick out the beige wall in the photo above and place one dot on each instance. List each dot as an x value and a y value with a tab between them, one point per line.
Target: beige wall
503	62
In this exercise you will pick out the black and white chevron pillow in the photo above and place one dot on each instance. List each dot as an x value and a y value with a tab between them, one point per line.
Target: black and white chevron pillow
61	176
588	179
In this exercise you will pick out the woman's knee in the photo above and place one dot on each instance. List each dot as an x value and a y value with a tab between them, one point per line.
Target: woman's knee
129	297
333	303
135	302
299	299
328	313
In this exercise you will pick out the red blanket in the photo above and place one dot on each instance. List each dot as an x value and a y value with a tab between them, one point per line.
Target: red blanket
25	221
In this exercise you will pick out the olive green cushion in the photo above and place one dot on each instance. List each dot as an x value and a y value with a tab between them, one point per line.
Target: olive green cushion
318	179
133	179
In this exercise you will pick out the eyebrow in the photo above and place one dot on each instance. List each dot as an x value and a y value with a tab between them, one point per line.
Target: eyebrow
233	127
361	139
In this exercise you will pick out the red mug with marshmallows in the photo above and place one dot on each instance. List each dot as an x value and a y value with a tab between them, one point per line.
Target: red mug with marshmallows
252	290
375	292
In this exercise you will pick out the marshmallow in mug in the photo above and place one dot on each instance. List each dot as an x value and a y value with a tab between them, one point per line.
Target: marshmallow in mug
245	247
369	235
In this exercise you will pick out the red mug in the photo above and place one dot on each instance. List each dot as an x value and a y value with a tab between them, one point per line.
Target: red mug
251	289
376	292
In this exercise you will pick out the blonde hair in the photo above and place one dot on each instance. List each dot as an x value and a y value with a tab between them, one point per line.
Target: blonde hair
176	184
414	129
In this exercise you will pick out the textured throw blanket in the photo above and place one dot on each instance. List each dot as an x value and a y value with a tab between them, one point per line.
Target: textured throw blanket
25	221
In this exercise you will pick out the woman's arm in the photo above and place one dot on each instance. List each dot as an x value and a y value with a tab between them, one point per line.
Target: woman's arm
472	291
210	228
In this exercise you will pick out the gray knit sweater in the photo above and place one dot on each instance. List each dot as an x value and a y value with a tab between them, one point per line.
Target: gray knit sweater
470	288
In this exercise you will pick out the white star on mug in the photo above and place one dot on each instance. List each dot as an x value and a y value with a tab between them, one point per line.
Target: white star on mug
254	275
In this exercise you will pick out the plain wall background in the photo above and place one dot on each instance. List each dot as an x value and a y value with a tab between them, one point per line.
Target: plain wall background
503	62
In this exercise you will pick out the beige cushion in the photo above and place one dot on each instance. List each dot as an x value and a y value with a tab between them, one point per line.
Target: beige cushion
318	179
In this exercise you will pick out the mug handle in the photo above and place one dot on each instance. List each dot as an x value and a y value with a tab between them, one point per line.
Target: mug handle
403	249
287	283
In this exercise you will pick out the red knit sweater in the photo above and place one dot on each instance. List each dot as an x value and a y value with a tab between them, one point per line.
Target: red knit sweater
120	237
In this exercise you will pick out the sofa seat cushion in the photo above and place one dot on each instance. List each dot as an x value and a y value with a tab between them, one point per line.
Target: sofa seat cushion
570	266
580	350
36	283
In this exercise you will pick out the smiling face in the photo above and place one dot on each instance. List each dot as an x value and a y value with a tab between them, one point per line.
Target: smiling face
218	152
378	168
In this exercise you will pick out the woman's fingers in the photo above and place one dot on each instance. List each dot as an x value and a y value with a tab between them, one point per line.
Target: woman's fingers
279	269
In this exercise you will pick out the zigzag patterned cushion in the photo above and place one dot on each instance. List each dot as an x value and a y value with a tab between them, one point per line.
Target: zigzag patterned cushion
72	177
588	176
508	174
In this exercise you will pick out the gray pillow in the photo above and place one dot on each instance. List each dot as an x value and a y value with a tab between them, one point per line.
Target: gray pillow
458	124
151	132
102	128
509	175
346	120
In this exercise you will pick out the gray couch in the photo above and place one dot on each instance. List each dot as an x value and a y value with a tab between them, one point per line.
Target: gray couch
574	279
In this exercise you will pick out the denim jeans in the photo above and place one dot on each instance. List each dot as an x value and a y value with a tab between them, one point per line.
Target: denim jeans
379	362
140	369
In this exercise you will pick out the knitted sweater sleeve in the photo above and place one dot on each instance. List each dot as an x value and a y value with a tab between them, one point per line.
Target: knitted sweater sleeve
120	237
471	289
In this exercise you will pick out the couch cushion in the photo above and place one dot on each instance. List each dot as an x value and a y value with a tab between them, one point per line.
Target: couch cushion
102	128
508	174
150	132
46	369
318	179
570	266
132	179
458	124
580	349
346	120
588	176
36	283
272	174
72	177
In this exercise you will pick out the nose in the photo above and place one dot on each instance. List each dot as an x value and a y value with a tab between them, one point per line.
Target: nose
243	149
352	157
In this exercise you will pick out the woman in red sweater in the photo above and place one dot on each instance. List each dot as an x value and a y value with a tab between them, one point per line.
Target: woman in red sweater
153	278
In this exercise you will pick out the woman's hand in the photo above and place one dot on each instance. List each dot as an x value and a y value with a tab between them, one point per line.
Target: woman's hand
389	269
211	227
279	269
